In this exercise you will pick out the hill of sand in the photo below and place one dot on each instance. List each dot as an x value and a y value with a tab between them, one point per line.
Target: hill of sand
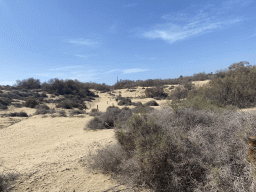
46	151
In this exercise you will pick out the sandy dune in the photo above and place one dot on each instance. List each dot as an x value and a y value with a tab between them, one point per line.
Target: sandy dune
47	151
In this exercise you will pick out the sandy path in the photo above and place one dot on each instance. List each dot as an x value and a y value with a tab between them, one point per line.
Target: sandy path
46	151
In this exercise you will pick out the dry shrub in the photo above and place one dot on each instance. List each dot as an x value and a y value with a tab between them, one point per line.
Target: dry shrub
19	114
43	109
113	116
62	113
76	112
31	102
151	103
142	109
5	181
190	150
125	101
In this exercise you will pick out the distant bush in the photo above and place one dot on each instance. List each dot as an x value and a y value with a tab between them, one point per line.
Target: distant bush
76	112
30	83
236	86
111	118
94	112
179	93
151	103
43	109
70	104
142	109
17	105
125	101
61	87
31	102
62	113
191	150
155	92
4	102
18	114
137	103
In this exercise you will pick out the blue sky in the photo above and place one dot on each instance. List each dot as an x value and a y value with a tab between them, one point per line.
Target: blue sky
98	40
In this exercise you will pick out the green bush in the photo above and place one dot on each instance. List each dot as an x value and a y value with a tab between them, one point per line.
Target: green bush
31	102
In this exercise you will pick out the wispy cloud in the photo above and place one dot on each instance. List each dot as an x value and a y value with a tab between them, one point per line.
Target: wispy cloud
87	42
66	68
182	26
81	56
134	70
130	5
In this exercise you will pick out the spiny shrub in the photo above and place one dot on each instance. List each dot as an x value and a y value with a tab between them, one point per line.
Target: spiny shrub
31	102
19	114
151	103
191	150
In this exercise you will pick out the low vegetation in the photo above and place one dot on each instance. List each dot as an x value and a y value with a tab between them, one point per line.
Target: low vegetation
113	116
43	109
186	150
31	102
19	114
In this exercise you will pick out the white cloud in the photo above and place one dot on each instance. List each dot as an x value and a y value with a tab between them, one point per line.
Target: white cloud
199	25
82	56
66	68
87	42
134	70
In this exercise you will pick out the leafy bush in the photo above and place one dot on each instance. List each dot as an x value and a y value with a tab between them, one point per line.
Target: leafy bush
191	150
31	102
151	103
19	114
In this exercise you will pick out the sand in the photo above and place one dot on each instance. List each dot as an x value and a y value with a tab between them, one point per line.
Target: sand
47	151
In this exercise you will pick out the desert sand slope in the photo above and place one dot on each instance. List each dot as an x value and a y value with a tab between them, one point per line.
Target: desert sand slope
46	151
